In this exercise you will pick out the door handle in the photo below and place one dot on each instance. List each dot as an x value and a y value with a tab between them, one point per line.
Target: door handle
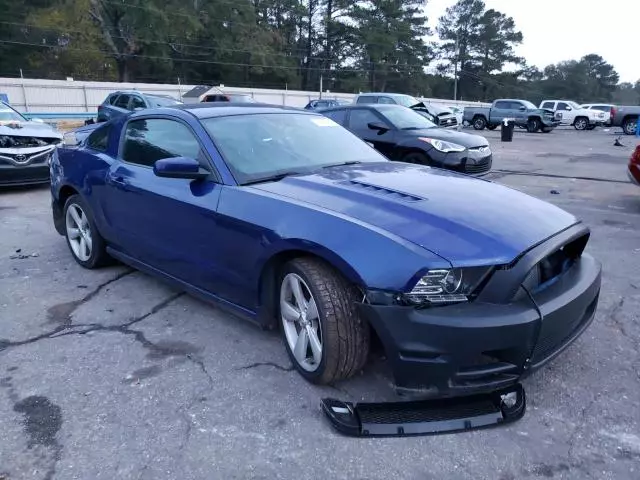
118	181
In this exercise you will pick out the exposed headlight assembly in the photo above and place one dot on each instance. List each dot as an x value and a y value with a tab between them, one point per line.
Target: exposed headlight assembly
443	286
443	146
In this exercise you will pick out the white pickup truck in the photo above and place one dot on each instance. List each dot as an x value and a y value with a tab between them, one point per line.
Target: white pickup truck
572	113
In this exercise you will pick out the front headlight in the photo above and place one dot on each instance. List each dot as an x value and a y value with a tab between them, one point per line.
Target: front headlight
448	285
443	146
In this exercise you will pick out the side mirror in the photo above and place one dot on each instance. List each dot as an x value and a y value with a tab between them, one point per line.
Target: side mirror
380	127
179	167
522	108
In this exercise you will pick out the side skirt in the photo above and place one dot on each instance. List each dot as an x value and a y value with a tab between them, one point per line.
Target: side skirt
229	307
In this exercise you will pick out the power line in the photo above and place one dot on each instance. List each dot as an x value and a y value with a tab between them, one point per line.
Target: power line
405	69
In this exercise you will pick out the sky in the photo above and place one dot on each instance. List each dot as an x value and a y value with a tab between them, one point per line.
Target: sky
556	30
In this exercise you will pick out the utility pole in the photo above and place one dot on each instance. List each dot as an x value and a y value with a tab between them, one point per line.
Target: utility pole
320	86
455	74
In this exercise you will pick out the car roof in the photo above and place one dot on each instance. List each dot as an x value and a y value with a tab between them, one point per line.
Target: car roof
137	92
360	106
387	94
209	110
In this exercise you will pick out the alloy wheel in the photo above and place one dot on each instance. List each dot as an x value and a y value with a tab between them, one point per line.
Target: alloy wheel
301	322
79	232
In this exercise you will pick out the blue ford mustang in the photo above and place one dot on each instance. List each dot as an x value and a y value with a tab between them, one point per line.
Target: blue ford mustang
287	218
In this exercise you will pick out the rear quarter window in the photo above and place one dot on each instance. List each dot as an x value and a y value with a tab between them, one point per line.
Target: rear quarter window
99	139
367	99
338	116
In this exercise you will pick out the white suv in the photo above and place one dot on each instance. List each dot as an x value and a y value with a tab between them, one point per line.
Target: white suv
573	114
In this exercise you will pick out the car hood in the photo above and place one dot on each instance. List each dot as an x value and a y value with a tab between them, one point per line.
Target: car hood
28	129
465	220
467	140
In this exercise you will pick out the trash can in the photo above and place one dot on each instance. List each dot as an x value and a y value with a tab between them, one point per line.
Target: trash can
506	131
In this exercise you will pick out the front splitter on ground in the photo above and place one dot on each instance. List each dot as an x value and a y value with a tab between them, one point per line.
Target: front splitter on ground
428	417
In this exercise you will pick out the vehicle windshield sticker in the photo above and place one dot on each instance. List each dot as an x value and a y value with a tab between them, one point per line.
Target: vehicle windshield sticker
324	122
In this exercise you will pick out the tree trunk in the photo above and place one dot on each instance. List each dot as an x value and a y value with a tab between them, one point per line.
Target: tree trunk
123	69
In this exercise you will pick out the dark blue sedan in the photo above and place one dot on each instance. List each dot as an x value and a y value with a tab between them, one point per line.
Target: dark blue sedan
290	220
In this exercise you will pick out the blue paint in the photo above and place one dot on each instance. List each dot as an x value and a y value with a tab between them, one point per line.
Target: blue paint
381	223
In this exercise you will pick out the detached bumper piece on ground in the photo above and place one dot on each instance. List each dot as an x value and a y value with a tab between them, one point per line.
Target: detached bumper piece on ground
428	417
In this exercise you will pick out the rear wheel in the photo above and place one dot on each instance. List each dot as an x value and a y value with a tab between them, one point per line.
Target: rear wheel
581	123
479	123
629	126
533	125
324	336
85	242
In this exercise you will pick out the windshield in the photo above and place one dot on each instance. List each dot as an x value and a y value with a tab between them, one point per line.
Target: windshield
529	105
406	100
406	119
262	145
574	105
8	114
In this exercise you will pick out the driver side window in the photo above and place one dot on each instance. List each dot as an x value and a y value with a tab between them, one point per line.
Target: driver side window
149	140
360	118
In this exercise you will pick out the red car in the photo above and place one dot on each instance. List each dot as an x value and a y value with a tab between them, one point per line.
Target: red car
634	166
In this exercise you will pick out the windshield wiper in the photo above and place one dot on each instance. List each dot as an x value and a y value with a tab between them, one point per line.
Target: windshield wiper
272	178
352	162
414	128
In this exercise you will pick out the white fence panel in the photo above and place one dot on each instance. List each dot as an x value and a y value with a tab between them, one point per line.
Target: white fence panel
33	95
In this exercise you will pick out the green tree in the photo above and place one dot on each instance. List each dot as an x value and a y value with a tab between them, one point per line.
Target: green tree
390	37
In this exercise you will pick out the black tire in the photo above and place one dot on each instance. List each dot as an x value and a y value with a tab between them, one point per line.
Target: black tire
479	123
492	126
591	127
417	158
533	125
629	126
547	129
581	123
345	335
98	256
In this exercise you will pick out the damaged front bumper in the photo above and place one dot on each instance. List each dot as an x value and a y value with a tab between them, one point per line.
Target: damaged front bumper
496	340
427	417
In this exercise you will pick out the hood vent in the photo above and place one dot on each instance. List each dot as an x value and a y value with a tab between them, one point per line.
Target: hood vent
386	192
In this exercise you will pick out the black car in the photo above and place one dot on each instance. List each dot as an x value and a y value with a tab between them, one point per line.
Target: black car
404	135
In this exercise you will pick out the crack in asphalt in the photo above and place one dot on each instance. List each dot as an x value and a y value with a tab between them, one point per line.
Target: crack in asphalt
580	427
621	327
267	364
552	175
161	350
62	312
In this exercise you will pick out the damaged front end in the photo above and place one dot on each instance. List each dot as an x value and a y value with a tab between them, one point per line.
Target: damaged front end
25	152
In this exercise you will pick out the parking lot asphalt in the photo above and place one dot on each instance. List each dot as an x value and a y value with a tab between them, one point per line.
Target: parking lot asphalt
111	374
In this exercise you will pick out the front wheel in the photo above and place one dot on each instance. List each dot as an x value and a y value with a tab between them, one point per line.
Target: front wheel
591	127
417	158
546	129
533	125
85	242
629	126
492	127
581	123
324	336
